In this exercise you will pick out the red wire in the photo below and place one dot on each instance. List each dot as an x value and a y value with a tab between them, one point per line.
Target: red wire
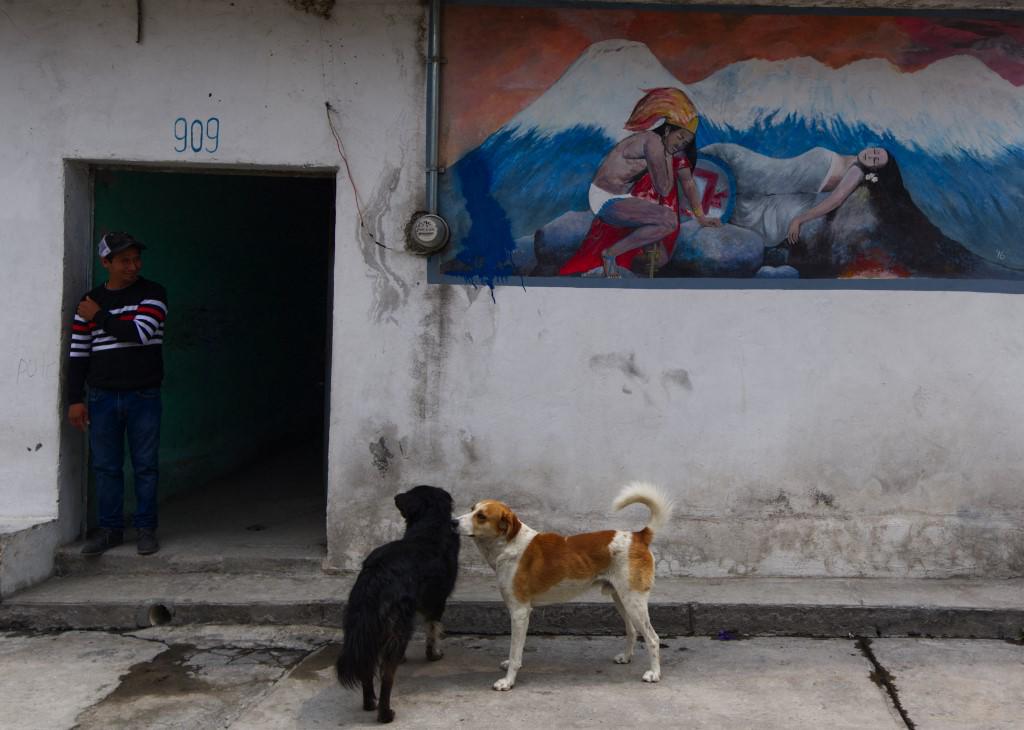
351	180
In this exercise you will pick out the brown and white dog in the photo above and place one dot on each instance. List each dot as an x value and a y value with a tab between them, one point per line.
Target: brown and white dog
537	568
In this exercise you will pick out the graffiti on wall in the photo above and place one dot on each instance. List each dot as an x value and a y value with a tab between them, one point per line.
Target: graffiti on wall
622	144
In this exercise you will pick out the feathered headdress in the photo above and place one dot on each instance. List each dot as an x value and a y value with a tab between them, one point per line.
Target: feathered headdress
663	104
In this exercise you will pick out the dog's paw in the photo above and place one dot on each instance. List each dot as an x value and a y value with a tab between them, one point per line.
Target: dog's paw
504	664
385	716
434	655
371	705
652	676
503	685
623	659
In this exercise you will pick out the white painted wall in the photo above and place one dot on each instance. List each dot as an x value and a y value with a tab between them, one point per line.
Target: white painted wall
74	85
828	433
802	432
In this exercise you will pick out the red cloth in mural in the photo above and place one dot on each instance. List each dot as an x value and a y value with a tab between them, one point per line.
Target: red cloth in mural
603	235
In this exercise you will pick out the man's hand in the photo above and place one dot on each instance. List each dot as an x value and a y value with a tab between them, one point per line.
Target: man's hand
78	416
87	309
708	222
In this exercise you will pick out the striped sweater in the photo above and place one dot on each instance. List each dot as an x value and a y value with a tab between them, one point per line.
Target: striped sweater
121	348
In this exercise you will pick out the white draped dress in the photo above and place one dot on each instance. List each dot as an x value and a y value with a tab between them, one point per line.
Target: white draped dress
771	191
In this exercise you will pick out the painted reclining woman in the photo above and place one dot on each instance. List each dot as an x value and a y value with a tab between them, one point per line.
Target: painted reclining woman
776	196
891	236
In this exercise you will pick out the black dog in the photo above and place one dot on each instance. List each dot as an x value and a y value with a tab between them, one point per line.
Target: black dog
416	573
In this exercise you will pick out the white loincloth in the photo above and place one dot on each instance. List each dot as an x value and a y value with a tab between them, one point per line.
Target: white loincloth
599	196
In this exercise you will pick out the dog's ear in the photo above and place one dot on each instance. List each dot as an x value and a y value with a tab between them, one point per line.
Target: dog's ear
509	524
408	505
443	499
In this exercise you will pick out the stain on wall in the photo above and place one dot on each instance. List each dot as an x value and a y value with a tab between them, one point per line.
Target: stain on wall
430	361
678	377
381	455
390	290
624	362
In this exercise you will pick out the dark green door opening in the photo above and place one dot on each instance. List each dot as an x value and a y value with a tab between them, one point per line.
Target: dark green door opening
246	261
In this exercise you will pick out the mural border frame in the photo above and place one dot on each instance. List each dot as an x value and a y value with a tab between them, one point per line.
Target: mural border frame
983	286
941	9
952	8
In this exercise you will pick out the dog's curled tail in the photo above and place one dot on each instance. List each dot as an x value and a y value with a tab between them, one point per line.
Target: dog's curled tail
652	497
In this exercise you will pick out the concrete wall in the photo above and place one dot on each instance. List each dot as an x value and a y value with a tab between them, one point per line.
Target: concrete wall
802	432
26	553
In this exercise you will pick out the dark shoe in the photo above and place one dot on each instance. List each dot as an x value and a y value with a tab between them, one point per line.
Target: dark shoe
148	543
102	540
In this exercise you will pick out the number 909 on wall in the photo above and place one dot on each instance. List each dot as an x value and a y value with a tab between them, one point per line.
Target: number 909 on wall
196	135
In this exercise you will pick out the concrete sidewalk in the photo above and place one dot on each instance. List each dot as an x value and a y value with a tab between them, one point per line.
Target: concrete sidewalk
821	607
282	677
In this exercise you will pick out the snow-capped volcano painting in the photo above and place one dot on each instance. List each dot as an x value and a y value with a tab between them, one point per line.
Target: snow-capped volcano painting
617	144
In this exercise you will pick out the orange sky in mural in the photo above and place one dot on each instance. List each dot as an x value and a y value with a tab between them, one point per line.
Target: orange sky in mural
499	59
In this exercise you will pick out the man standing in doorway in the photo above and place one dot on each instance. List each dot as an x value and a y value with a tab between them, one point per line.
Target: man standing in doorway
116	348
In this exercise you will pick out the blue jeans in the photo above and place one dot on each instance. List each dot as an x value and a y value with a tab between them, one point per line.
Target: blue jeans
111	414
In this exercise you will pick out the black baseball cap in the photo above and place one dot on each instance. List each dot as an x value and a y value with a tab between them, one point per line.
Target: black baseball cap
116	242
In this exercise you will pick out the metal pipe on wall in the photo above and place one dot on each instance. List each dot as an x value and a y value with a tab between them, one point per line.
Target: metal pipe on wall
433	101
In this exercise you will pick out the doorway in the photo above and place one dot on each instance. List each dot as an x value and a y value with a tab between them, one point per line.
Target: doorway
247	263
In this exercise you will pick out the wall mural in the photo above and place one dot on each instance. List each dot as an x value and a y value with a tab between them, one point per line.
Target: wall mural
617	144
